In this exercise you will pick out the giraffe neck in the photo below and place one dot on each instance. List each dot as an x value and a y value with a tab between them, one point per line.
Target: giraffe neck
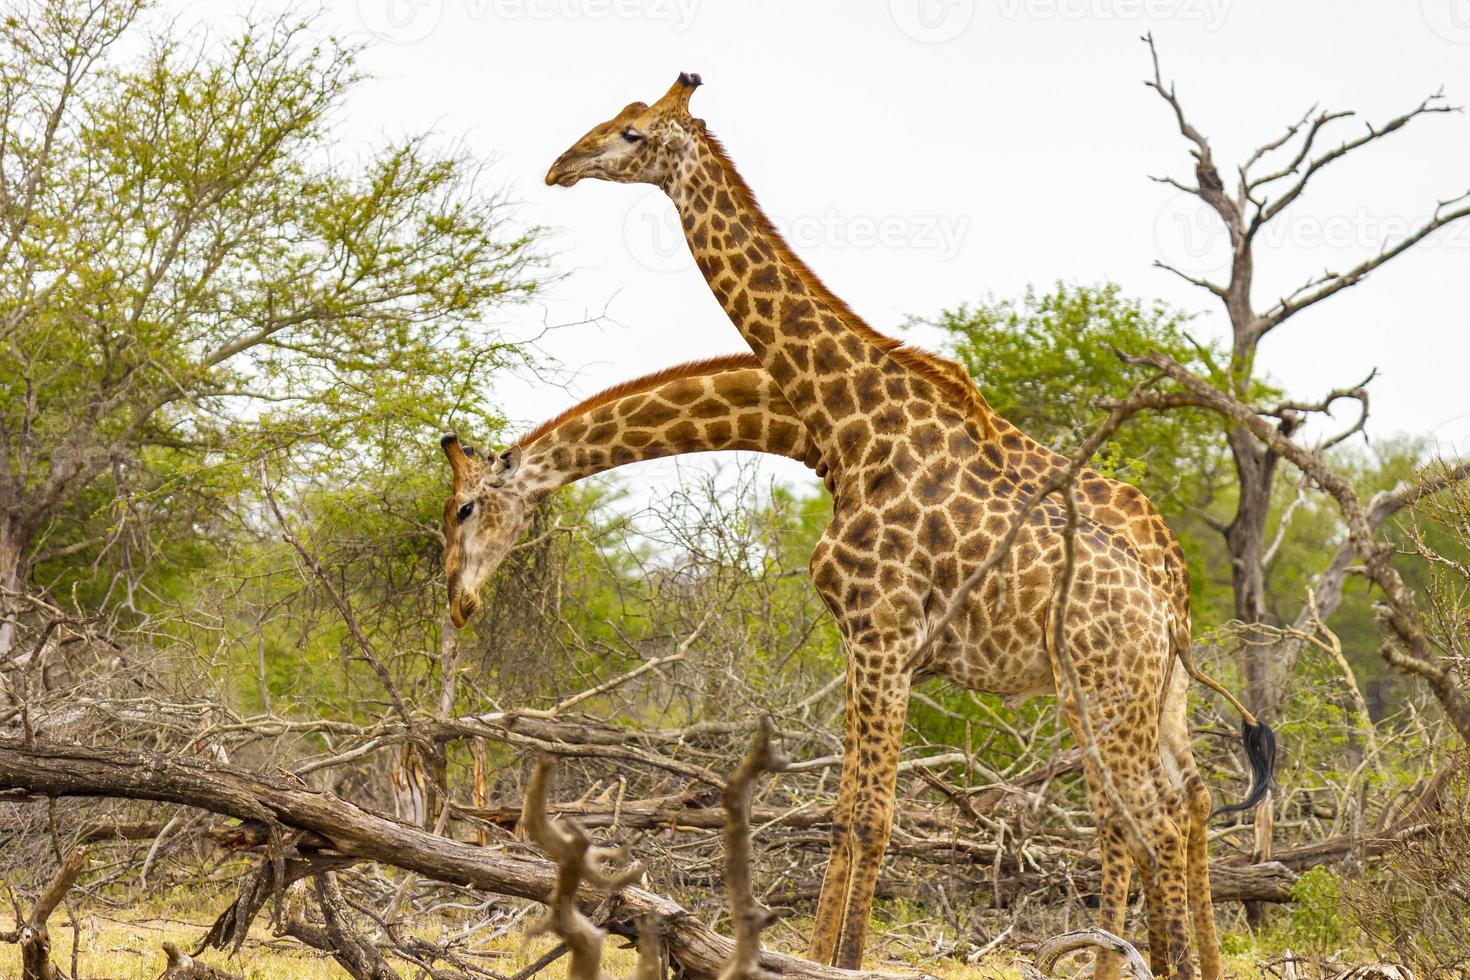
830	364
720	404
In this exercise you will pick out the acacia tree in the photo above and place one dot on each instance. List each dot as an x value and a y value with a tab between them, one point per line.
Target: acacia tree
194	272
1265	186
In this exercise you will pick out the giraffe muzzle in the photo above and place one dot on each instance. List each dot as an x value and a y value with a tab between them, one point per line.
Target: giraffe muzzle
462	604
564	173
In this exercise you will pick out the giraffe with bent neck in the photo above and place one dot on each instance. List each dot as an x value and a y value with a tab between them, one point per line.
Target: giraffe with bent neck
925	481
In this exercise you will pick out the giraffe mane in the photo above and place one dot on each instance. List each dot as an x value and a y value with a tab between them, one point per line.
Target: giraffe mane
647	382
944	373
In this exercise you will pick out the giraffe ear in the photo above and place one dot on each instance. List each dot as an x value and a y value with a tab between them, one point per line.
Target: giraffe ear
505	465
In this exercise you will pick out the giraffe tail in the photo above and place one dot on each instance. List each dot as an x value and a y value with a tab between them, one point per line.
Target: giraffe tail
1257	738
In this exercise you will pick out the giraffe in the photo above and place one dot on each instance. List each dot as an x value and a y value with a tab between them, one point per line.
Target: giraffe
925	480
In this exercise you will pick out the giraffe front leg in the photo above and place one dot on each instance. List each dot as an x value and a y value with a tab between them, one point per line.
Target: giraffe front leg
877	704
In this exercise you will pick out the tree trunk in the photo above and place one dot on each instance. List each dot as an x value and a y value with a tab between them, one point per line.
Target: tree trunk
12	552
1255	469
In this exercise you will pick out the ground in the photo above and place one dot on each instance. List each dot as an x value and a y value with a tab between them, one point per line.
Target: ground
121	945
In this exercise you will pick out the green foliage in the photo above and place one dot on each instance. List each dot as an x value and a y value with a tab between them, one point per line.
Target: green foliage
1047	361
194	276
1317	914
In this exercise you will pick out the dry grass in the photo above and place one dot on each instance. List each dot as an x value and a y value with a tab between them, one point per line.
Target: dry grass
123	947
128	945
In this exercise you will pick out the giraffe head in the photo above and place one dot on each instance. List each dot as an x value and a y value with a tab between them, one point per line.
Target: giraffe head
643	144
488	512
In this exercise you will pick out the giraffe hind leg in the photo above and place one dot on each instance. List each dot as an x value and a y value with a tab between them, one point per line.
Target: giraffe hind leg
1166	892
1131	757
1112	906
1201	902
1194	808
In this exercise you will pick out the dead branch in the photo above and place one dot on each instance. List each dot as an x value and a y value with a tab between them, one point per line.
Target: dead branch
63	769
577	861
1075	693
1375	971
354	954
1055	948
349	618
1408	646
182	966
746	912
31	934
232	925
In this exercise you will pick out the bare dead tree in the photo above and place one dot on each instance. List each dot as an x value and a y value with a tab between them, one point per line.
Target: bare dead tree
1271	179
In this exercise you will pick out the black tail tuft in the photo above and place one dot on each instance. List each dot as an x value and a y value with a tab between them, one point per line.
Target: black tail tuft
1260	752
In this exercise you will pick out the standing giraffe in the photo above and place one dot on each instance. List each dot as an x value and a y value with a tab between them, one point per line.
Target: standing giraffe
925	481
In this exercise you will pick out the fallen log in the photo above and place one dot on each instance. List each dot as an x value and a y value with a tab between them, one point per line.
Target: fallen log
1270	881
48	768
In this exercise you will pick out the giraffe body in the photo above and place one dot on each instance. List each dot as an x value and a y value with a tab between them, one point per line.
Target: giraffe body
926	480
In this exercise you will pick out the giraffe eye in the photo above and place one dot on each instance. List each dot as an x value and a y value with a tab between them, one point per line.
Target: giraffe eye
465	512
632	135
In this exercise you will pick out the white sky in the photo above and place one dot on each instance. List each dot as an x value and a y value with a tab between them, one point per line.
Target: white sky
922	153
